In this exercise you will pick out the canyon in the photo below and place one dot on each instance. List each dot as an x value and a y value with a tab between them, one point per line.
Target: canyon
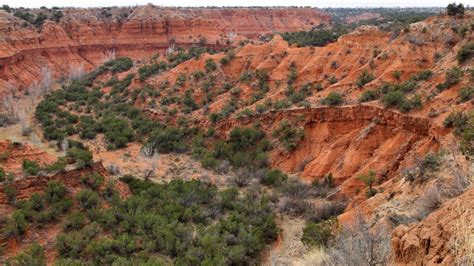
84	38
372	124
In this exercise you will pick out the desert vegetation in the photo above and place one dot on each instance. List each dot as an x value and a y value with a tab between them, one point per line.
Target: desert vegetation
176	220
221	147
401	95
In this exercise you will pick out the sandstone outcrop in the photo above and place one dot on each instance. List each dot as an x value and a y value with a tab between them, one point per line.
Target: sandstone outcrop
439	239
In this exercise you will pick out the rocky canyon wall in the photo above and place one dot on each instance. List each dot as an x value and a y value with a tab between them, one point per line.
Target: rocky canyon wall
84	37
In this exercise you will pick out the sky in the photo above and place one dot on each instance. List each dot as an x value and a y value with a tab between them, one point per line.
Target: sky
314	3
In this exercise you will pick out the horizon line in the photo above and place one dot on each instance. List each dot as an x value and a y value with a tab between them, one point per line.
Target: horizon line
232	6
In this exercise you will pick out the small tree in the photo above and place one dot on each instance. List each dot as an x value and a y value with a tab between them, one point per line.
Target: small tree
455	10
6	8
369	181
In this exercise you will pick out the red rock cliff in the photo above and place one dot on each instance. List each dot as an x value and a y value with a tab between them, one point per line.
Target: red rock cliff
85	37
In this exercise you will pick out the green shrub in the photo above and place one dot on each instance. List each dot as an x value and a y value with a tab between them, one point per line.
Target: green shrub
431	162
453	77
261	108
58	166
169	140
88	199
397	74
281	104
189	103
10	192
42	218
292	74
110	193
369	95
422	75
274	177
54	192
288	135
407	86
74	221
16	225
208	161
314	37
319	234
457	120
57	15
332	80
241	139
92	181
246	76
31	167
197	75
121	64
210	65
295	96
245	147
394	99
2	174
34	255
121	85
37	201
39	20
364	78
463	124
466	52
147	71
215	117
466	94
228	56
333	99
117	132
72	245
62	206
82	158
